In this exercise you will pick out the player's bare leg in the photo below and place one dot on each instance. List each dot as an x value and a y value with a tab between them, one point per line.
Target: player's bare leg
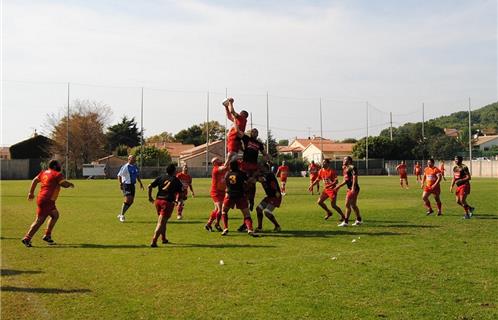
160	230
260	215
224	218
333	203
438	205
52	220
248	221
34	228
127	202
268	211
321	203
427	203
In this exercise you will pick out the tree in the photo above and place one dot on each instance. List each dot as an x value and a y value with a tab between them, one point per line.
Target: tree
349	140
216	131
162	137
284	142
443	147
192	135
87	120
152	156
123	133
378	147
272	144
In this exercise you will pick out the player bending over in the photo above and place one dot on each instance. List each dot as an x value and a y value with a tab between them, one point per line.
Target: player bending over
272	200
186	180
283	173
235	197
431	178
461	178
329	177
169	189
218	187
401	169
239	121
350	174
51	182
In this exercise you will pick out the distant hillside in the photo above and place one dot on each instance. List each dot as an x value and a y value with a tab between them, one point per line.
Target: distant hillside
483	118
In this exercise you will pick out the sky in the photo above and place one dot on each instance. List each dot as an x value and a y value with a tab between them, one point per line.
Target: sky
349	58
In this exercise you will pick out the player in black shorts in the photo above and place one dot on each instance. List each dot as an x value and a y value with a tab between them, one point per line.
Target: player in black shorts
169	187
272	200
350	174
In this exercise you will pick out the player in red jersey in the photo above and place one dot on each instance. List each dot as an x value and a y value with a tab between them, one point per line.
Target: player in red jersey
329	177
283	173
431	179
239	120
169	190
186	180
51	182
461	178
236	197
313	169
417	171
218	187
441	168
350	174
272	200
401	169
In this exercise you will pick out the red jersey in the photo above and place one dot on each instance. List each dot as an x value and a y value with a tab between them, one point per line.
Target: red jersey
401	168
50	184
417	169
431	175
313	169
185	179
329	177
241	123
218	184
283	171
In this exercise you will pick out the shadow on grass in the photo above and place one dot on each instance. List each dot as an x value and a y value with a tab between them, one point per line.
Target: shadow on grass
218	246
327	233
420	226
172	221
141	246
485	216
11	272
43	290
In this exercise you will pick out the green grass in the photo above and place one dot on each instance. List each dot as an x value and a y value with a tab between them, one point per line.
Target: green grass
403	264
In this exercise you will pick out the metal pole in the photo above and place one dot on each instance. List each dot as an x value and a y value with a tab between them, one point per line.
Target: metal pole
67	130
391	128
470	140
423	120
226	124
321	131
267	125
366	145
142	130
207	134
251	119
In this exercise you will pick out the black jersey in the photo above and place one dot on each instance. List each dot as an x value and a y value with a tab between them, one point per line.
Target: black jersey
235	181
252	147
348	172
460	172
167	187
270	185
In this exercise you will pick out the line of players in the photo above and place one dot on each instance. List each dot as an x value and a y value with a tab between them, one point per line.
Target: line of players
234	186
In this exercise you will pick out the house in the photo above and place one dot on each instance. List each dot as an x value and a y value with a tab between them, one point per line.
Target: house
450	132
174	149
297	146
331	150
4	153
486	142
111	161
196	157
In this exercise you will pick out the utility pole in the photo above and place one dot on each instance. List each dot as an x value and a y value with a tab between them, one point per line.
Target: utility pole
366	144
142	131
470	139
267	126
67	130
391	127
207	134
321	131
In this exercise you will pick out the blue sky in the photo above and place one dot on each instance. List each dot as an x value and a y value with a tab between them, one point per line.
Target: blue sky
393	54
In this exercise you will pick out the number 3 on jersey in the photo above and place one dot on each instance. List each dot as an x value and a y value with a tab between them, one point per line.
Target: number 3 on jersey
233	179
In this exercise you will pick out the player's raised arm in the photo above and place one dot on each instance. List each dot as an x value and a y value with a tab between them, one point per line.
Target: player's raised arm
34	183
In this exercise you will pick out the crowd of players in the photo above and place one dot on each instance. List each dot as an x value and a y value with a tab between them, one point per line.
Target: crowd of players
234	186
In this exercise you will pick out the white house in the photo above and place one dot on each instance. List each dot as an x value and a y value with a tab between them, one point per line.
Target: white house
486	142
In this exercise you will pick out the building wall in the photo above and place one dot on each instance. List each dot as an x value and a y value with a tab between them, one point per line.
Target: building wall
17	169
489	144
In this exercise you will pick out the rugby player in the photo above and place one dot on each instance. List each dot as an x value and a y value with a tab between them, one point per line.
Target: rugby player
431	179
272	200
441	168
128	175
239	120
283	173
218	187
401	169
236	197
350	174
186	180
313	170
461	178
417	171
51	182
329	177
169	189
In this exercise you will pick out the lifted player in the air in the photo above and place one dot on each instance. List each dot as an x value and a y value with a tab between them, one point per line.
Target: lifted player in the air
233	139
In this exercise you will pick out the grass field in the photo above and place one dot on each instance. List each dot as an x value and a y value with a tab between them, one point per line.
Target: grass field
403	265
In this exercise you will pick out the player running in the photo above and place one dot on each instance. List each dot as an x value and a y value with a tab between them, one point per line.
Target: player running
186	180
239	120
236	197
128	176
313	169
169	189
350	174
272	200
283	173
432	175
329	177
441	168
417	171
461	178
218	187
51	182
401	169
